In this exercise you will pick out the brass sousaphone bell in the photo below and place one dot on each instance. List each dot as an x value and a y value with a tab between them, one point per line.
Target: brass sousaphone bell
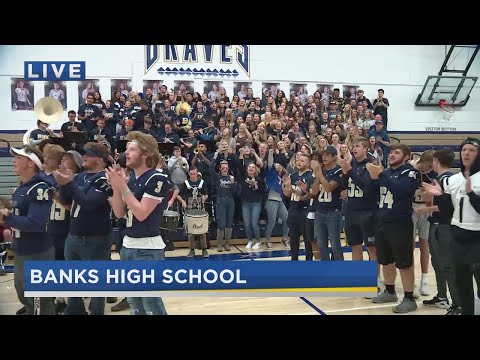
47	110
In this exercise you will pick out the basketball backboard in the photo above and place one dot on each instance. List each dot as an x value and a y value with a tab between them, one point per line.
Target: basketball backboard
455	90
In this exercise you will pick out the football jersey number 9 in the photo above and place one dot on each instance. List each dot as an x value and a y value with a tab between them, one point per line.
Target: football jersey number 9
159	187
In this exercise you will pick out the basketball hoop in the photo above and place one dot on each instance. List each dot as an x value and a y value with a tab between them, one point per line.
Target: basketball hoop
448	110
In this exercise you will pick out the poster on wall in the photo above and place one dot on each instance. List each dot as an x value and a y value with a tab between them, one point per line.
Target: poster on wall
183	86
299	90
350	92
241	89
325	91
57	90
85	88
212	89
124	86
22	94
153	85
270	89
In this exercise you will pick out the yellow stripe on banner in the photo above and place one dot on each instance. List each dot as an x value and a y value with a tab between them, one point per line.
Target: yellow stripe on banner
293	290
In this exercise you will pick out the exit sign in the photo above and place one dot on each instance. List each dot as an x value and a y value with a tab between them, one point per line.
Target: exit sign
54	70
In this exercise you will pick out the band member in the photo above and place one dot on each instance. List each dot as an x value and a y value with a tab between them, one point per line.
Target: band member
327	185
90	226
362	203
297	188
462	196
394	225
225	186
42	133
99	134
178	166
193	194
141	199
440	238
202	160
31	204
72	124
424	165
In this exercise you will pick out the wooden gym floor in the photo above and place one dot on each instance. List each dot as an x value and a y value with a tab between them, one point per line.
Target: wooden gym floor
258	306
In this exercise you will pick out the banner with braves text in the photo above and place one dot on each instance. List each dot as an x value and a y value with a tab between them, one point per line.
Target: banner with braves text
200	278
215	62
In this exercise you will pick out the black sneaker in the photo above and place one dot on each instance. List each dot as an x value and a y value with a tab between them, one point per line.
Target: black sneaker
21	311
438	302
111	300
454	310
122	305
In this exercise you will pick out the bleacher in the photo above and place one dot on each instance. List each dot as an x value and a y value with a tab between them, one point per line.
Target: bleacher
8	180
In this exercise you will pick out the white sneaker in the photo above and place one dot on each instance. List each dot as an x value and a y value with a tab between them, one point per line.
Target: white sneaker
249	245
424	291
257	246
269	245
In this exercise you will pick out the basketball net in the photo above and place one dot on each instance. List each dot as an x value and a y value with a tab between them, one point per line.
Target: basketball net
448	110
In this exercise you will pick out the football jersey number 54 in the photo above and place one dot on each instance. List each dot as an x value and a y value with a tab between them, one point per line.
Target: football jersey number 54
386	198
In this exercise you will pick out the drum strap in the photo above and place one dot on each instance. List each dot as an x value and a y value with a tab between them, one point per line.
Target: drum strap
190	187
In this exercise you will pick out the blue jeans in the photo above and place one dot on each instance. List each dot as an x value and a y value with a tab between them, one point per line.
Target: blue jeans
146	305
87	248
328	227
275	210
225	209
251	215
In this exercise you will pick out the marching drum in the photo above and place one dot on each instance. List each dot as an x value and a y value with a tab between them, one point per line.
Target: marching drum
170	220
196	222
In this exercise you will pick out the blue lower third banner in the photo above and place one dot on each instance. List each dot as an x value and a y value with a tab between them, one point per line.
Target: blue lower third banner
200	278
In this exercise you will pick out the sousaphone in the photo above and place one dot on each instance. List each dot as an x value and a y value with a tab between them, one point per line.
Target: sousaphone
47	110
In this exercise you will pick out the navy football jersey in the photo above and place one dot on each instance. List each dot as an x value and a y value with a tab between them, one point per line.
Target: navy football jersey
397	188
59	219
306	177
31	203
363	192
154	185
90	212
329	201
